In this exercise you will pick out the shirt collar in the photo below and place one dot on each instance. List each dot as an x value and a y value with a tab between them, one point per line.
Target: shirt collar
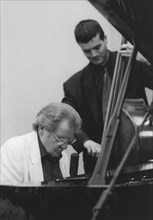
43	151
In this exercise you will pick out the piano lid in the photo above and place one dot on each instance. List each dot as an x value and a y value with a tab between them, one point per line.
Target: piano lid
133	19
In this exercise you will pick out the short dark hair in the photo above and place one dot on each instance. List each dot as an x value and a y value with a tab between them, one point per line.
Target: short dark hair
51	115
86	30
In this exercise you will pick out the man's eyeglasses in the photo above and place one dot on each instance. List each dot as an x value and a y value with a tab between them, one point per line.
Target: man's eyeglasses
64	140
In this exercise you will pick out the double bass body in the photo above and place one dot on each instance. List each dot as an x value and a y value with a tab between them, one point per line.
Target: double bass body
131	117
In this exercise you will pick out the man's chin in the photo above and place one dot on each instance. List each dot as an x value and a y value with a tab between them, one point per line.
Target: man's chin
98	62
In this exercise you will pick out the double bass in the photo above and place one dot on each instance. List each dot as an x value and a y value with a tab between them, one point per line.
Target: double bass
120	123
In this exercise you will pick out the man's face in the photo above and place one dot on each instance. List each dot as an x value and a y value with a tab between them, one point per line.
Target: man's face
51	140
95	50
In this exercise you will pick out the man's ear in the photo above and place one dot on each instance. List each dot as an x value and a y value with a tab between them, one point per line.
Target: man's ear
40	130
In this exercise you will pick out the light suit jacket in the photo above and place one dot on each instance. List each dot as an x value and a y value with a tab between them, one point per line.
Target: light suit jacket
21	161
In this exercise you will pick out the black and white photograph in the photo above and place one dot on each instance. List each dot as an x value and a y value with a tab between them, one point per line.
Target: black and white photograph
76	110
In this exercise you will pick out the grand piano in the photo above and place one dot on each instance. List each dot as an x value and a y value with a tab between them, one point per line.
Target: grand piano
122	192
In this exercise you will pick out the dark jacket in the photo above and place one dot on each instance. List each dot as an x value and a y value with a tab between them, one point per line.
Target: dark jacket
81	93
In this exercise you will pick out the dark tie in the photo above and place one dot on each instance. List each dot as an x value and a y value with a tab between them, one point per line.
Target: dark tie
51	169
105	92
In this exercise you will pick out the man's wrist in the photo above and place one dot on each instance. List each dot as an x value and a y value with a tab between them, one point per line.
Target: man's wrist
86	139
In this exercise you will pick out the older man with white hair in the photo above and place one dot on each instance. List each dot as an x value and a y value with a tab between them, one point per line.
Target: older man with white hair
39	156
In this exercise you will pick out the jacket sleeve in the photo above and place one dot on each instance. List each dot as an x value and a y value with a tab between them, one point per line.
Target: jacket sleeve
81	135
10	170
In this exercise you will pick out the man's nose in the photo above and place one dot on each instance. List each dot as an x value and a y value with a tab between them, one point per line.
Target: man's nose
93	53
64	146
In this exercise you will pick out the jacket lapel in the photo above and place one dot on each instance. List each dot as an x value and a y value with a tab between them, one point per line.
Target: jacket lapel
34	159
90	92
89	85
